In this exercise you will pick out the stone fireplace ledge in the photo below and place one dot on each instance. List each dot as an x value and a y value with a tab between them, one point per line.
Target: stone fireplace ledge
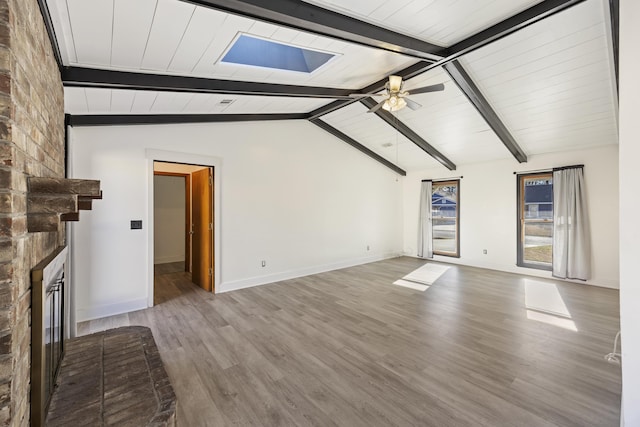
115	377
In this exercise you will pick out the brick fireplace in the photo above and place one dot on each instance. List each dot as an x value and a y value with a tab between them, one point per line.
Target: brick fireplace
31	144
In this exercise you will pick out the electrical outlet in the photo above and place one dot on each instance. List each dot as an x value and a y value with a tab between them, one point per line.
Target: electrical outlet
264	263
484	251
136	224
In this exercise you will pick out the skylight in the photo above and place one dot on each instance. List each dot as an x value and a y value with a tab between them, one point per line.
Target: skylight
257	52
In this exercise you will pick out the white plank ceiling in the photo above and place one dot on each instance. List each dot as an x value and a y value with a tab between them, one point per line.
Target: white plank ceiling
552	83
80	100
442	22
375	134
449	122
446	120
175	37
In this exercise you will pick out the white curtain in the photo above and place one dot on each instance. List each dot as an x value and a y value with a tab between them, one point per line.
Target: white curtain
571	235
425	233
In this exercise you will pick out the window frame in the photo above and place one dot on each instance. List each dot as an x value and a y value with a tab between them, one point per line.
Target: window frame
520	219
455	182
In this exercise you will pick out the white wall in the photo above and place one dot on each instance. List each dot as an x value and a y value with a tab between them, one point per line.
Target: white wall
169	219
291	194
488	210
630	209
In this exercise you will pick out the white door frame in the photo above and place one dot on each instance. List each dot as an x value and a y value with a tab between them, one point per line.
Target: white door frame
191	159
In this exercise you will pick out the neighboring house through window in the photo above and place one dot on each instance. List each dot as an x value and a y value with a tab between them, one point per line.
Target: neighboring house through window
535	220
445	214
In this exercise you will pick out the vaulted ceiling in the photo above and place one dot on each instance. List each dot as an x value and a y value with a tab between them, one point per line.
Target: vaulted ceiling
522	77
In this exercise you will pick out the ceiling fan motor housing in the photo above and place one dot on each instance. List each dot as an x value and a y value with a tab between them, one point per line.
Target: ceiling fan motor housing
395	83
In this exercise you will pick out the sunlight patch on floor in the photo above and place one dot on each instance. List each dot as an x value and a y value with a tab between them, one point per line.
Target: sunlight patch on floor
422	277
545	304
427	274
552	320
412	285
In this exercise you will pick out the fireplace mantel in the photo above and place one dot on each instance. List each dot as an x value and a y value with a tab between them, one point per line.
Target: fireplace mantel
54	200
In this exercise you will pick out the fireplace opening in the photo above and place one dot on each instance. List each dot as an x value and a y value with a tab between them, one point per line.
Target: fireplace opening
47	330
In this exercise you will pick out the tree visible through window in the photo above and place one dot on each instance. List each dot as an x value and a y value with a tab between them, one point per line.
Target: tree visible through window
535	220
445	217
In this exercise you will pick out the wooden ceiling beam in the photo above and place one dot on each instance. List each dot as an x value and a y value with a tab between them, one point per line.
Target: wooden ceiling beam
409	134
510	25
112	79
358	146
372	88
477	99
307	17
159	119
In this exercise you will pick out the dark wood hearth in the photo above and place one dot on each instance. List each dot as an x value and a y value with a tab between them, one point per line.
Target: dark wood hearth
115	377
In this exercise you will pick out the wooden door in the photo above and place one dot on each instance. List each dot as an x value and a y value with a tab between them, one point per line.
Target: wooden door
202	251
188	227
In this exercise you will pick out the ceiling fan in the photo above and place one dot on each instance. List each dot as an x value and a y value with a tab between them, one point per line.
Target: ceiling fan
396	99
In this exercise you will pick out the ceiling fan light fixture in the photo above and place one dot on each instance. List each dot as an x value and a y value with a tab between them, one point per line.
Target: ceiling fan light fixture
394	103
396	96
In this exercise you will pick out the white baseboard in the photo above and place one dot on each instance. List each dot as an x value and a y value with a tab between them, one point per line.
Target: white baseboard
292	274
105	310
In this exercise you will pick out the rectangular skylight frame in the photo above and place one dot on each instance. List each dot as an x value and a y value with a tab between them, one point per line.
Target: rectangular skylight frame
219	61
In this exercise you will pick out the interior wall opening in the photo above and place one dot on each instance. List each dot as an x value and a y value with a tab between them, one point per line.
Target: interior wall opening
183	228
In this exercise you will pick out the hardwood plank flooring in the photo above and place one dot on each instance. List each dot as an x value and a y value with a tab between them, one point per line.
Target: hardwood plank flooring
170	267
349	348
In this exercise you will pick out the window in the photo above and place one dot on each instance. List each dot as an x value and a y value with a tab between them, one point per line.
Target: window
535	220
259	52
445	216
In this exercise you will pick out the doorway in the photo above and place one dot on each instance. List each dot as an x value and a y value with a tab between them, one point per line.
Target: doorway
183	211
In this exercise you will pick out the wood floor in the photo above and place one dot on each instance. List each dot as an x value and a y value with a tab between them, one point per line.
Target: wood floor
349	348
171	267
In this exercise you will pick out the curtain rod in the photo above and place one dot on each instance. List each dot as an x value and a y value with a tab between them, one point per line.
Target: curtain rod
549	169
443	179
569	167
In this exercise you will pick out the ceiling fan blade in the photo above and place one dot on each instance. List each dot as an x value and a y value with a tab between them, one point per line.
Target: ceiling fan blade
412	104
376	107
425	89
